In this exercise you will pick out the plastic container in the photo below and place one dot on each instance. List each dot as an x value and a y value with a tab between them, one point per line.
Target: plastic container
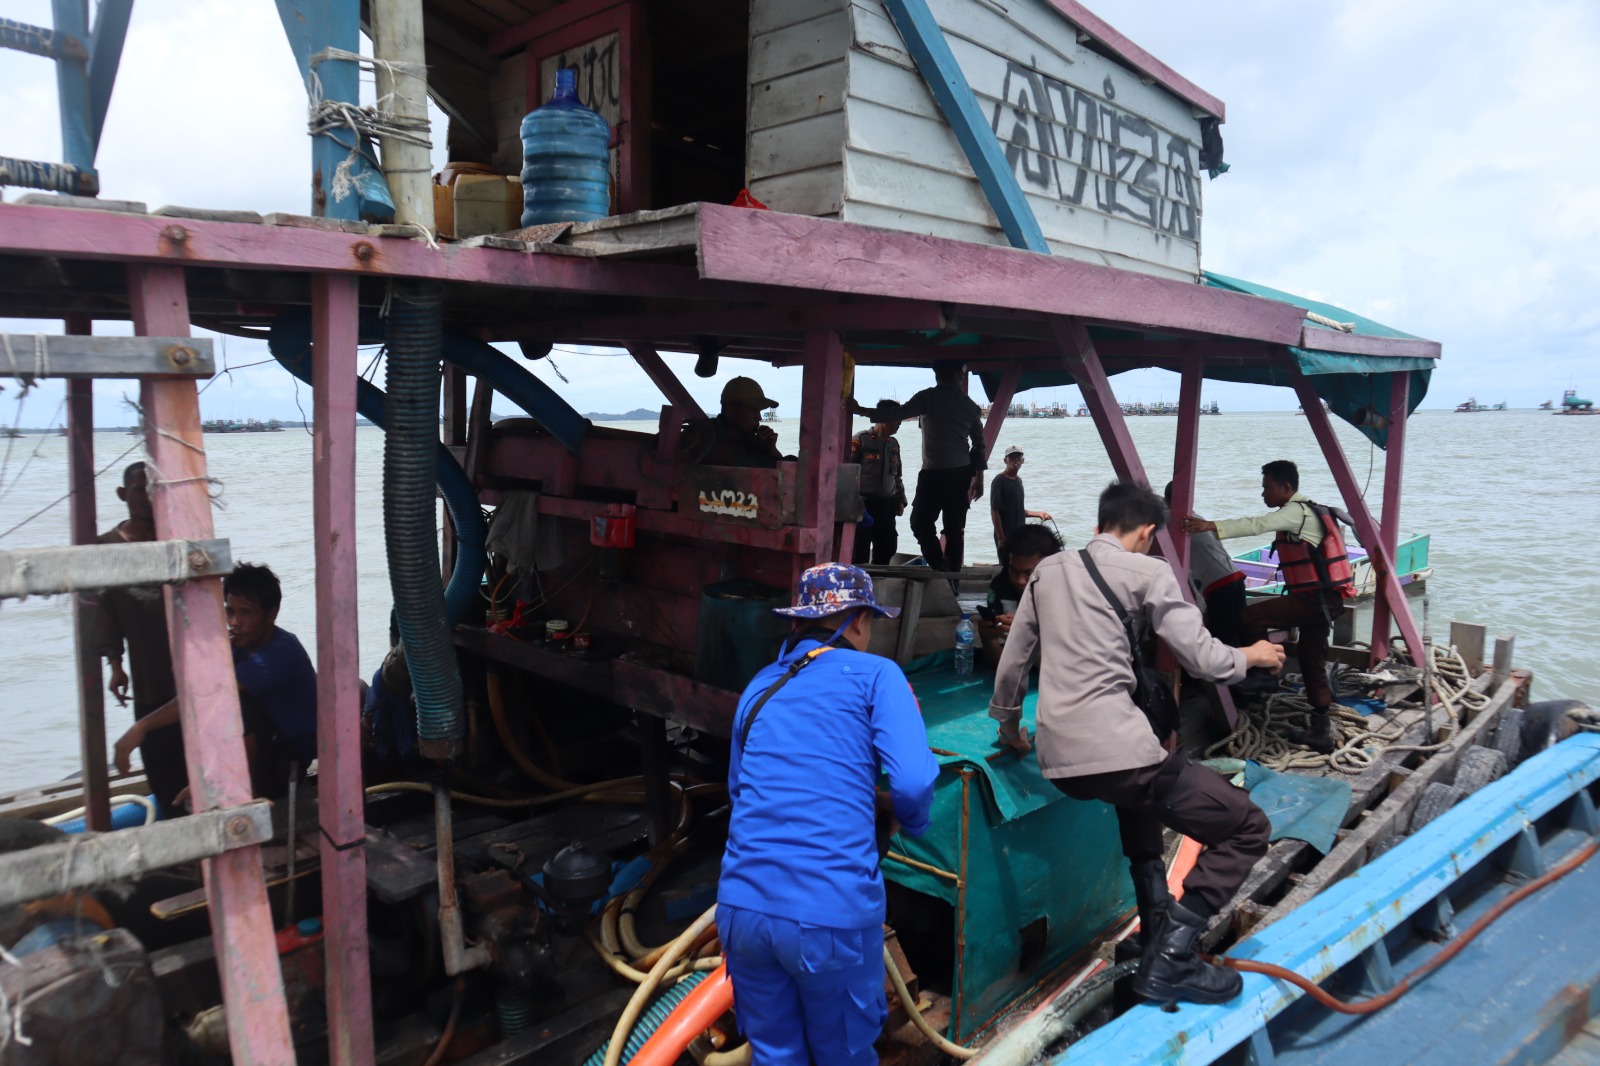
566	159
966	636
614	528
737	633
555	633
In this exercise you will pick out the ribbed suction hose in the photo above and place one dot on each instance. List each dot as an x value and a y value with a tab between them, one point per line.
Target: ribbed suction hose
409	515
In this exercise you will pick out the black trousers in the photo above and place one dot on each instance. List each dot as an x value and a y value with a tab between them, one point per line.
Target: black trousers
1314	619
941	492
1224	608
879	543
162	755
1193	800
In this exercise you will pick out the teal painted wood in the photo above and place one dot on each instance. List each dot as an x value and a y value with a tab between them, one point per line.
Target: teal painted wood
72	87
105	56
1339	925
925	41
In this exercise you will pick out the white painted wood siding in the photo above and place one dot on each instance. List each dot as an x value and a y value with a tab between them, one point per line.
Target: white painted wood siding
1109	164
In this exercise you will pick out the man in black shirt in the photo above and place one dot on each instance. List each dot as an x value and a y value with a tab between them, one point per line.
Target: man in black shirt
1006	502
1030	545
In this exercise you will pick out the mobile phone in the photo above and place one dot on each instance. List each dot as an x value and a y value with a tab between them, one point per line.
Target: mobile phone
987	613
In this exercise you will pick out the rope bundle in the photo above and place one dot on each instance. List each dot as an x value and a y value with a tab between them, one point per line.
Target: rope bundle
326	116
1263	736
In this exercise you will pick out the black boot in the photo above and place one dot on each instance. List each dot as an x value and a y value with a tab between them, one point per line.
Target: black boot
1172	970
1257	681
1319	738
1150	893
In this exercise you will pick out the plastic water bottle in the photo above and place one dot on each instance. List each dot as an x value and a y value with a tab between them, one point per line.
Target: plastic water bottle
965	638
566	159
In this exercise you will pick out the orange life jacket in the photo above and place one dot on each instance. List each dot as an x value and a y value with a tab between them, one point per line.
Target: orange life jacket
1323	569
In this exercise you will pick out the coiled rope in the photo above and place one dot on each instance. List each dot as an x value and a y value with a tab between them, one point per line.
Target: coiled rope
1263	736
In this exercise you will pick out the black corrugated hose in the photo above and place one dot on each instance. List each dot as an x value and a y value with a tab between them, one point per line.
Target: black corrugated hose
409	515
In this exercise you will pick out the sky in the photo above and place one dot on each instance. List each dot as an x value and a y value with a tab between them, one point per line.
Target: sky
1433	165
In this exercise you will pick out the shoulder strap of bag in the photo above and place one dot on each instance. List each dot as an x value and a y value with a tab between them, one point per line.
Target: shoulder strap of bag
772	690
1111	598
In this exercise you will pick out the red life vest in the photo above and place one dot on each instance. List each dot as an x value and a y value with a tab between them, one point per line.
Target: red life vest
1323	569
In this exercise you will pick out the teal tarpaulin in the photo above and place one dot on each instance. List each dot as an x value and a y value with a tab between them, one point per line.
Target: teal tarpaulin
1299	806
1032	876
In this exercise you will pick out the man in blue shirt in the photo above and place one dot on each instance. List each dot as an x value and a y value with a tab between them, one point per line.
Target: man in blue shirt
277	685
800	905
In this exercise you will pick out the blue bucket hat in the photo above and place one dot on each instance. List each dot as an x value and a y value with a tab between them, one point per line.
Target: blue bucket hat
833	588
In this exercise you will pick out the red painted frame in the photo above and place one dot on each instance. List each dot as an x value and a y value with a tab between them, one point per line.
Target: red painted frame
208	694
341	803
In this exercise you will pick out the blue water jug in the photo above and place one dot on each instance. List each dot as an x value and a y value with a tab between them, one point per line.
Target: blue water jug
566	159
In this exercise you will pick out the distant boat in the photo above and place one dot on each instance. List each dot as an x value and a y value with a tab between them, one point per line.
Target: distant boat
1573	404
770	415
1472	406
11	434
1263	577
1546	406
1325	407
1210	408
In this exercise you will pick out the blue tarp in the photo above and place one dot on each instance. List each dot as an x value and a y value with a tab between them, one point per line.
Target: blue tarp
1298	806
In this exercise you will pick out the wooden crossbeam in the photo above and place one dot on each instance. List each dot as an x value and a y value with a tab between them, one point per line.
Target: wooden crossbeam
32	356
28	572
88	862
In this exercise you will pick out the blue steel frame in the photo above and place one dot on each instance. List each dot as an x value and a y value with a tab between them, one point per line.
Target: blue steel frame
1350	920
311	26
86	71
937	64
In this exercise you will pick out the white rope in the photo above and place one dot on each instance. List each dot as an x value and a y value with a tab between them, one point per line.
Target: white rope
324	117
12	1031
41	362
1331	323
1264	736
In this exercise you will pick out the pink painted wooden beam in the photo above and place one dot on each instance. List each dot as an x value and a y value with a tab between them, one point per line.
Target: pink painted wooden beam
340	800
208	695
1393	474
91	698
999	404
1140	60
870	316
103	235
1185	457
1367	530
812	253
659	372
1332	340
821	424
1084	363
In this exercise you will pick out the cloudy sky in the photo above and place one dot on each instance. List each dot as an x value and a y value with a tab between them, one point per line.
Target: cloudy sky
1434	165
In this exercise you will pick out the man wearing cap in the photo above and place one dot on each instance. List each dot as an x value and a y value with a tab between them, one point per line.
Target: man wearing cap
883	492
735	437
1005	502
953	460
800	903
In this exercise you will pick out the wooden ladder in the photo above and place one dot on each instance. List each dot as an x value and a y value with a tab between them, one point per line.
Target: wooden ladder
228	827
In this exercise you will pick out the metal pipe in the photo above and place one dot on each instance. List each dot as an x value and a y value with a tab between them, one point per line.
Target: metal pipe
458	957
294	840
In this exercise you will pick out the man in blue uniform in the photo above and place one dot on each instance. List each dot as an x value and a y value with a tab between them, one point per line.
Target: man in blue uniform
800	905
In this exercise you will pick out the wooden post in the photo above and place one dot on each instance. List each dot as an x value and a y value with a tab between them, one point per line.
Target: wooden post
454	434
1083	362
999	404
1394	461
821	417
85	608
652	364
208	695
1366	528
1185	457
340	801
397	38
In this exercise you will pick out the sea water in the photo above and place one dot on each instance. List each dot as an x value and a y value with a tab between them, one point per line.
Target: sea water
1511	500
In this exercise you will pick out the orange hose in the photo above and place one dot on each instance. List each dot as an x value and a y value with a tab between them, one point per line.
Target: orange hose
710	1000
1377	1003
1182	863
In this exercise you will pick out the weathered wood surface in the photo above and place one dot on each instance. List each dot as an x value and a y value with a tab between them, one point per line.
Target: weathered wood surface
28	572
670	229
49	800
841	123
32	356
99	859
1392	817
775	248
1286	856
